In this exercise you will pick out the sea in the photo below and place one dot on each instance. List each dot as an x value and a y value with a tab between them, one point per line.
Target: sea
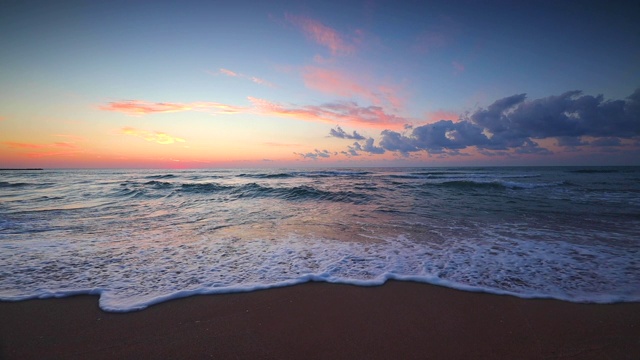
141	237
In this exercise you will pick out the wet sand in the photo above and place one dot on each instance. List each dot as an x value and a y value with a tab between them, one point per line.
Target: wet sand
400	320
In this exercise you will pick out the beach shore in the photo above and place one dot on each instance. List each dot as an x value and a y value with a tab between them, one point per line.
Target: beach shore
399	320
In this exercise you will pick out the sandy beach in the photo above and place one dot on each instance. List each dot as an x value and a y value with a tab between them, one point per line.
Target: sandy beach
324	321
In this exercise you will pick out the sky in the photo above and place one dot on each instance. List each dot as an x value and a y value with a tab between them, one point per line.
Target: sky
210	84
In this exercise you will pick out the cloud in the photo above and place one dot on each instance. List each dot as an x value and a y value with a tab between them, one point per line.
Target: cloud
435	116
260	81
513	124
341	84
333	82
606	142
391	94
348	112
352	150
569	141
137	107
370	148
230	73
152	136
19	145
141	107
339	133
322	34
67	145
44	152
570	115
52	153
315	155
367	146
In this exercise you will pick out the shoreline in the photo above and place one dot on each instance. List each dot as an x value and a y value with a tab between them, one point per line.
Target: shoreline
320	320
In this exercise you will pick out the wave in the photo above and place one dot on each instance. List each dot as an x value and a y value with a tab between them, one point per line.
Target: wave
594	171
155	188
492	184
355	194
268	176
460	175
304	174
130	193
203	188
163	176
159	184
335	173
469	184
436	173
298	193
7	184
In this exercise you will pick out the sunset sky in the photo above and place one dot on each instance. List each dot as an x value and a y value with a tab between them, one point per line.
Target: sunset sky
110	84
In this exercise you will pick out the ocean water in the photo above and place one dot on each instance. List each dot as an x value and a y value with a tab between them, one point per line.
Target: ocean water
140	237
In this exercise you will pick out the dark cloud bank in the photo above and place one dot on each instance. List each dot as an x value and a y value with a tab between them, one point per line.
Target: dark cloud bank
339	133
513	123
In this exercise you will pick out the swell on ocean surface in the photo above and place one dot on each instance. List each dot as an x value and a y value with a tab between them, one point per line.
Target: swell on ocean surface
137	238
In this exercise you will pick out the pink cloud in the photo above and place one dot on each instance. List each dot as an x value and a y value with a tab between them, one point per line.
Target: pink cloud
71	148
65	145
152	136
393	95
139	107
219	108
438	115
52	153
322	34
19	145
335	82
255	79
228	72
330	113
261	81
349	112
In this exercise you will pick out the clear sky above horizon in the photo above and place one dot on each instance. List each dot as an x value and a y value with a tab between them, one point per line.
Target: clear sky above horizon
307	83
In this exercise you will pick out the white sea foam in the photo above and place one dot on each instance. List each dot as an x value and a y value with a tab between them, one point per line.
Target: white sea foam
136	276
